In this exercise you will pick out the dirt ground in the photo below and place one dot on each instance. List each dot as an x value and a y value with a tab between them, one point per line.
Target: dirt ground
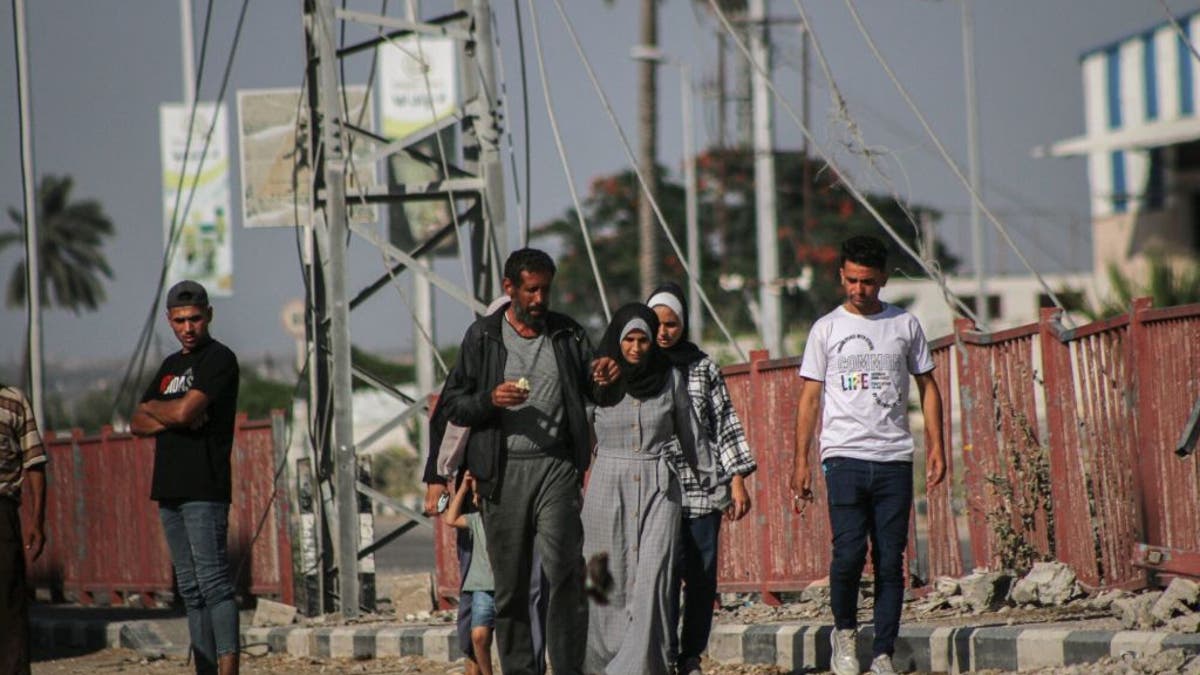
128	661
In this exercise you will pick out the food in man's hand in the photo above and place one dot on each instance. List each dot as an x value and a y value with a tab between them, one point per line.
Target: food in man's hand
523	384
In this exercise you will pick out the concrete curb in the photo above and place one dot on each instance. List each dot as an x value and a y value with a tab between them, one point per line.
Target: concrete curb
800	648
792	646
141	636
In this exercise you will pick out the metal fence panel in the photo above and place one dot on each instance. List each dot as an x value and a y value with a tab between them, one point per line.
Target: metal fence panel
104	538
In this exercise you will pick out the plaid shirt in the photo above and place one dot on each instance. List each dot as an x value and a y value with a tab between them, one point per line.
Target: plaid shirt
20	444
718	419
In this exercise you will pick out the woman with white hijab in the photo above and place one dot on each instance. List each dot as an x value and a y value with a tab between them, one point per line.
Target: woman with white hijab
699	534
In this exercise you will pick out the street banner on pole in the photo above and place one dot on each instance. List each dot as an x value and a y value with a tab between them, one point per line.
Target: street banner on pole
201	240
276	192
417	83
418	90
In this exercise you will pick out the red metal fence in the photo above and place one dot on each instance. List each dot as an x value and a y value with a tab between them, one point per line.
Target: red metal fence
1059	445
104	539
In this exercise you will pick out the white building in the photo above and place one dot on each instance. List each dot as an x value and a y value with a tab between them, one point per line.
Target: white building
1142	144
1012	300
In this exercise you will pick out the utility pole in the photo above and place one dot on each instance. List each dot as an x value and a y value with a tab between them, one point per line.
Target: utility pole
332	248
423	325
770	327
695	320
648	151
806	190
33	268
977	243
188	49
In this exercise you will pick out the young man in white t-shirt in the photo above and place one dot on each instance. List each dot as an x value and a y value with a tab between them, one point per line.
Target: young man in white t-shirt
857	364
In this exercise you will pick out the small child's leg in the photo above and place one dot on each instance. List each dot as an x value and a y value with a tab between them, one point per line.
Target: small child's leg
481	639
483	621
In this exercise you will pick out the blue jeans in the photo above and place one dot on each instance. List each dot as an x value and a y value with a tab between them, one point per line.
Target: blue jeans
196	534
697	565
868	500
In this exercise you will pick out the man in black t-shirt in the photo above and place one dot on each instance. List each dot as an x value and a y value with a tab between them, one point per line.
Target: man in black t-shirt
189	408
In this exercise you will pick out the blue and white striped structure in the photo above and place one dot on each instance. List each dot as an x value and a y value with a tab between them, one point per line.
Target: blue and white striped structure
1141	94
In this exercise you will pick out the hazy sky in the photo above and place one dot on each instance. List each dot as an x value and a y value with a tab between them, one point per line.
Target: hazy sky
100	70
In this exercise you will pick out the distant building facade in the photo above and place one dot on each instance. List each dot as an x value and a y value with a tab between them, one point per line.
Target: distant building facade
1142	144
1013	300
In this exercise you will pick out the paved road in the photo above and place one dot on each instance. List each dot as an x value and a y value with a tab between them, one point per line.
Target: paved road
411	553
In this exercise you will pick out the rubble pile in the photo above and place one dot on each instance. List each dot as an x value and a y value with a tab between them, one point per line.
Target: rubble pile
1048	584
1175	609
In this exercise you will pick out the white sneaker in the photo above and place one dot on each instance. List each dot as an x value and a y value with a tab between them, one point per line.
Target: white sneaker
843	661
882	665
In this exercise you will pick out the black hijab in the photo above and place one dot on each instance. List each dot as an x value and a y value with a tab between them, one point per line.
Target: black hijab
685	352
647	377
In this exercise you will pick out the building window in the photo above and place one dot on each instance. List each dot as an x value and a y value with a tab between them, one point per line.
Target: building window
993	305
1156	189
1072	301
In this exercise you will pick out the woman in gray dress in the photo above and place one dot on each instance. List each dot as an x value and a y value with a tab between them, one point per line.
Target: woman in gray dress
632	508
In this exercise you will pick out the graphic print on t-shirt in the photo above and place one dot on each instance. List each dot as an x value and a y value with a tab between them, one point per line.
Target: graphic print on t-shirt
867	372
175	384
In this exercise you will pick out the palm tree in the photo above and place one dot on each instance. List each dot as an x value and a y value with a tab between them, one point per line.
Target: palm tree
1167	286
72	237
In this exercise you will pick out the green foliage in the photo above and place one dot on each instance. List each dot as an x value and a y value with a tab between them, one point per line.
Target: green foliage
388	371
394	472
71	251
1165	285
258	396
727	226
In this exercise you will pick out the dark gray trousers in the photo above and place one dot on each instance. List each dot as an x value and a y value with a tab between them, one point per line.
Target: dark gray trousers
538	505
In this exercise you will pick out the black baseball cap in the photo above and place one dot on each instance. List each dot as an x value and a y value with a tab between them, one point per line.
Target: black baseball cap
187	293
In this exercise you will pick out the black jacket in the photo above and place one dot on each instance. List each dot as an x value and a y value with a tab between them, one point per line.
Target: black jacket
466	397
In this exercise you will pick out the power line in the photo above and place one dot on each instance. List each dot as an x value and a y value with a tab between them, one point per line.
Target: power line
849	185
642	180
143	343
562	154
948	159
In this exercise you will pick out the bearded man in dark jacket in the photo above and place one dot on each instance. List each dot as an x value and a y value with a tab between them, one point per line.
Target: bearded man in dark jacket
520	384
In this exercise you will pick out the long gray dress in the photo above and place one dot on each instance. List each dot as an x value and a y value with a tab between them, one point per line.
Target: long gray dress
632	512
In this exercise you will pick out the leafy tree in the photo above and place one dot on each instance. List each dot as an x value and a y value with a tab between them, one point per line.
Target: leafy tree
72	259
727	225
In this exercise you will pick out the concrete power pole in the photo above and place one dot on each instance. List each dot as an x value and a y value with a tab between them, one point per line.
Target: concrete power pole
977	243
33	268
648	151
770	327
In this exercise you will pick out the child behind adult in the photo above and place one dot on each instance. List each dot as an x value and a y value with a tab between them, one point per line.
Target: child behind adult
478	578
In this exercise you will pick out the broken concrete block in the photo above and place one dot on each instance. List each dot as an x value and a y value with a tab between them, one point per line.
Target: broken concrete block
1134	611
986	590
271	613
1188	623
1179	598
1166	661
409	593
1048	583
817	591
1105	600
945	586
